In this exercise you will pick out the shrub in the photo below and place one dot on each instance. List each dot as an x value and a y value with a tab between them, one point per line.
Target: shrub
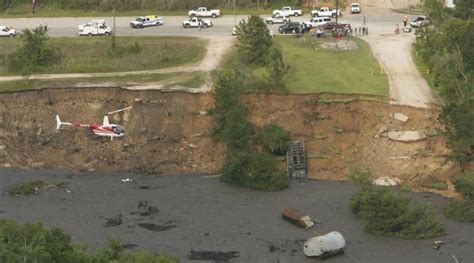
464	183
264	174
438	185
274	139
462	211
34	243
254	170
390	214
34	52
27	188
360	176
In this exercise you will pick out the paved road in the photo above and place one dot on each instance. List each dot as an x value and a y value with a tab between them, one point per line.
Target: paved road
223	25
210	215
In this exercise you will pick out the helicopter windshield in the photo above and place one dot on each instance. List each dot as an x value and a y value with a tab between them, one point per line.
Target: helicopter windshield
119	130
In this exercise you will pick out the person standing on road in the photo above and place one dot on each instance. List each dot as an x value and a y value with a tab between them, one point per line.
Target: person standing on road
405	21
200	24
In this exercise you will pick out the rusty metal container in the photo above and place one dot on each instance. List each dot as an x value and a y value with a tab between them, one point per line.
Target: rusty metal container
296	217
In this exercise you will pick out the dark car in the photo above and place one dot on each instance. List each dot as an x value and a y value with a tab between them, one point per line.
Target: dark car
293	27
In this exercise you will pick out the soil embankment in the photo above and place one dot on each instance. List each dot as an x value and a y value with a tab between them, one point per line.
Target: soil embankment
169	133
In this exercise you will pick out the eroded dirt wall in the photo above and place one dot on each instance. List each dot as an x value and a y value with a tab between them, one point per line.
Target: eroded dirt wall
168	133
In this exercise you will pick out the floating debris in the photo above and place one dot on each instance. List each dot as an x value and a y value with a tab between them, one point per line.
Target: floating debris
217	256
158	228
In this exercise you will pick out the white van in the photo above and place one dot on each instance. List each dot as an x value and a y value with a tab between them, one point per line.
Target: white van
317	21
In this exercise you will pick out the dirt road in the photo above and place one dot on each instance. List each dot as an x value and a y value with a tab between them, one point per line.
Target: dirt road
407	86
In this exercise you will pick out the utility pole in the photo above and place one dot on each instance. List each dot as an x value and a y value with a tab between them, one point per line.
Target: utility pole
337	10
114	28
33	9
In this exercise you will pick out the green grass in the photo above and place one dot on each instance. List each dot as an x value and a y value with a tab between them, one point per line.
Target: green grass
27	188
90	54
194	80
439	185
316	70
34	187
420	64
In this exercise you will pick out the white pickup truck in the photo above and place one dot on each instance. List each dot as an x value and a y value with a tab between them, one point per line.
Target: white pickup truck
145	21
326	11
7	31
204	12
95	28
197	22
288	11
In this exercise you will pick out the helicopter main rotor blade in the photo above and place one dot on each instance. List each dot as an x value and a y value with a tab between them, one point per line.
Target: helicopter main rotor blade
117	111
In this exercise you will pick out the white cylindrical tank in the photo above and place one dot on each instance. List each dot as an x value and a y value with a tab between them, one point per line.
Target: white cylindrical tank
332	243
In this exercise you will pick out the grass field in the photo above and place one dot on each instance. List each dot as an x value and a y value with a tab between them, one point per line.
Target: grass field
314	70
86	55
317	70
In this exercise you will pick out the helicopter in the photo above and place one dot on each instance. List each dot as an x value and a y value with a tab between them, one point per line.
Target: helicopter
106	129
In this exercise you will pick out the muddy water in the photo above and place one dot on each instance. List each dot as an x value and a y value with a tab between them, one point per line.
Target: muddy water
210	216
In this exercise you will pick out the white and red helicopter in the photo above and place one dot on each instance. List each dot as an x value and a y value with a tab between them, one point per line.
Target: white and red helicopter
106	129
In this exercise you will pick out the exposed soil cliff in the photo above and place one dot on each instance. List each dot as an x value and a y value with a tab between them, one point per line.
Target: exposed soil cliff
168	133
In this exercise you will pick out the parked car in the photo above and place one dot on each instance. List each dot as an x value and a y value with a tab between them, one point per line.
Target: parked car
145	21
278	19
332	25
197	22
204	12
419	21
326	11
7	31
288	11
355	8
317	21
293	27
95	28
235	31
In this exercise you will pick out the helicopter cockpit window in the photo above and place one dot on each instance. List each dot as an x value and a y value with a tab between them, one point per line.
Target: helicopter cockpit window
119	130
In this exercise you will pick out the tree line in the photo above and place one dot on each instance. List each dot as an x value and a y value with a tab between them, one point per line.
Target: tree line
447	48
168	5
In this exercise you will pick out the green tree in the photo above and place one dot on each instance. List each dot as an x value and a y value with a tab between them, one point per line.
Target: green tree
459	120
32	243
390	214
276	70
34	53
230	123
254	40
464	9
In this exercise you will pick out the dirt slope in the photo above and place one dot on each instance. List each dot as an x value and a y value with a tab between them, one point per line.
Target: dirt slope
168	133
